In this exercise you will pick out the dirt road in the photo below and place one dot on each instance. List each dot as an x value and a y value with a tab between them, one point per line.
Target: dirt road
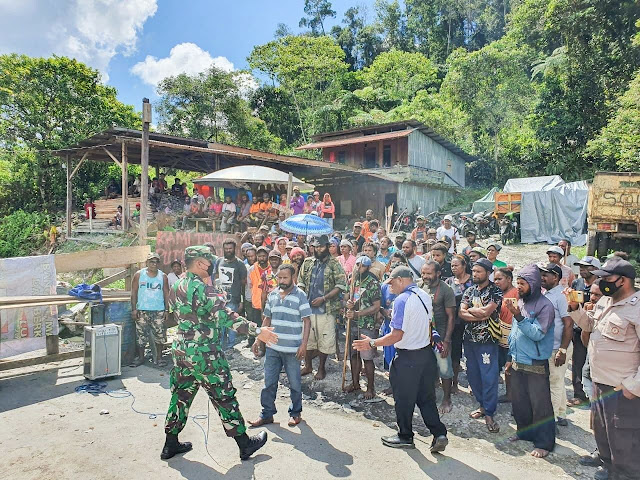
51	432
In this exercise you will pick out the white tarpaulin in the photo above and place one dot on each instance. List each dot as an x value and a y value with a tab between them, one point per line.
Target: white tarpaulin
551	215
24	329
243	175
532	184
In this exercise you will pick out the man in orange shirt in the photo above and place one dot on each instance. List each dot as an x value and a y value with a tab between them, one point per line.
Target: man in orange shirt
366	232
255	277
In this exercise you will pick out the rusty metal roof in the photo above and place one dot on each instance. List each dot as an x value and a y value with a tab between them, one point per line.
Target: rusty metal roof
356	139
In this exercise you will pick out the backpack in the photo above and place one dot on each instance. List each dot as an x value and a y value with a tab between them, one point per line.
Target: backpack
87	292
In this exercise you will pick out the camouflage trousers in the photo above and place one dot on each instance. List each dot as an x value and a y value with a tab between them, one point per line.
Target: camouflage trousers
150	327
202	364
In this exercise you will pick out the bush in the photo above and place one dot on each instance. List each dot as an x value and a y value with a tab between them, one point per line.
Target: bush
21	233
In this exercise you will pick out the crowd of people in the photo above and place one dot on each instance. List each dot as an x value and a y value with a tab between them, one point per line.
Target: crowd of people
427	303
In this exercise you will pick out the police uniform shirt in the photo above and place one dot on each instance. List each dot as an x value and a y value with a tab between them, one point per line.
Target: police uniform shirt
614	344
410	315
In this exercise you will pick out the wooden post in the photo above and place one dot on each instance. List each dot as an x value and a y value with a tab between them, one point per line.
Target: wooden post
68	196
144	161
125	189
289	189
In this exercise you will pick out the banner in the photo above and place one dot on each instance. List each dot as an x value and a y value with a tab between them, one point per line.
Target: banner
171	245
24	329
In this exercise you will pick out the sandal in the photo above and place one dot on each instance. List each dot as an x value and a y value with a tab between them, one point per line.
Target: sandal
476	414
493	427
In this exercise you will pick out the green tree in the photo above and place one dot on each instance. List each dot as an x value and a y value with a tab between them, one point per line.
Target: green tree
392	22
310	70
210	106
51	103
617	146
316	12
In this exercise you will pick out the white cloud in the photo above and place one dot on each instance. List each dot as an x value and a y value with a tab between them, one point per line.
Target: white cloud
91	31
186	58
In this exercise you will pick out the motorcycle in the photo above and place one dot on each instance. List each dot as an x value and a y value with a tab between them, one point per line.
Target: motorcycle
510	228
466	224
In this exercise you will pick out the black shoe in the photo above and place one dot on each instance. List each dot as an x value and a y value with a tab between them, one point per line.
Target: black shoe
503	399
252	445
592	460
601	473
394	441
562	422
439	444
173	448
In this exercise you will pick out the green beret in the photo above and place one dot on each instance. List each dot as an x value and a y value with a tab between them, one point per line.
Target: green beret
199	251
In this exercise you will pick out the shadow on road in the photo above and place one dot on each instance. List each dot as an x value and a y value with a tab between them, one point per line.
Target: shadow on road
192	470
447	467
315	447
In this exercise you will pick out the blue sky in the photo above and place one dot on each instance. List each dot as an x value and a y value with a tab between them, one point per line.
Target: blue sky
152	37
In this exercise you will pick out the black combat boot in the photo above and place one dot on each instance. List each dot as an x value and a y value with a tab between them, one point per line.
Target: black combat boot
172	447
249	445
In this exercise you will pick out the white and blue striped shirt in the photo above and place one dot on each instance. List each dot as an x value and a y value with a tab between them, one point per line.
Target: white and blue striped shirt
286	316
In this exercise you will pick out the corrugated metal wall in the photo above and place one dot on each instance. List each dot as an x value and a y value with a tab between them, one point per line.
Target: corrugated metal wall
429	199
426	153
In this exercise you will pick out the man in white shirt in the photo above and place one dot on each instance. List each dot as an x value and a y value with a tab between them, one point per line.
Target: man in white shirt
569	258
228	214
413	372
447	229
415	261
176	271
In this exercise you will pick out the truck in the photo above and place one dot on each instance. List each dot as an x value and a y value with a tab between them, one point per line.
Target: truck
613	212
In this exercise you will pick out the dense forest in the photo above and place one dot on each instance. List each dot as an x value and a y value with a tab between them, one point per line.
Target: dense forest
529	87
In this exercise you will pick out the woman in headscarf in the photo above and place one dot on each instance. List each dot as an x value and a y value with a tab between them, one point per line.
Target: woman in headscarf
308	205
297	257
327	210
281	245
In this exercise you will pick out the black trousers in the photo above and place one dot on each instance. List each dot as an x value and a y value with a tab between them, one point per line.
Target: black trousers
532	408
413	375
577	362
616	425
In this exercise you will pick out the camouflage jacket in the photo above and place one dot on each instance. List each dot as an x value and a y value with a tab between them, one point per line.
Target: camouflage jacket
334	276
201	313
366	291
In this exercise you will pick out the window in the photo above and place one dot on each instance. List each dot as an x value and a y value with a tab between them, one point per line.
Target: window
342	157
386	156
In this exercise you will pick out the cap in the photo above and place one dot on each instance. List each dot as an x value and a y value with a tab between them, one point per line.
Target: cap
262	248
484	263
432	231
138	204
446	238
551	268
357	224
589	261
420	217
316	193
448	217
153	255
334	241
363	260
246	245
320	240
470	232
401	235
616	266
479	251
263	227
291	244
275	253
556	249
199	251
346	243
176	261
296	188
314	213
401	272
497	246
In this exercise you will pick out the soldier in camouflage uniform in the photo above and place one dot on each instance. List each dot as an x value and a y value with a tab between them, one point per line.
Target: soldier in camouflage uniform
198	359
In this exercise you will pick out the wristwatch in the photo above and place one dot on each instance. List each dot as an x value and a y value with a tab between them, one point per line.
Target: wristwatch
372	343
258	331
562	350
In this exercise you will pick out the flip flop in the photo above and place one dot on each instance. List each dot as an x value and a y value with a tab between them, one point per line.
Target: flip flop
493	427
476	414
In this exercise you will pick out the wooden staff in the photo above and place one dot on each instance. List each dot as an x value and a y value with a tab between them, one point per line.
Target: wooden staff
347	333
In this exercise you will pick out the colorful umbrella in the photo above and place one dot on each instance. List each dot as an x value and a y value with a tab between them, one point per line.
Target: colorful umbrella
304	224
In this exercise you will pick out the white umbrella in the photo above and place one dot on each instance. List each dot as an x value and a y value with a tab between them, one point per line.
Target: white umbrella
243	175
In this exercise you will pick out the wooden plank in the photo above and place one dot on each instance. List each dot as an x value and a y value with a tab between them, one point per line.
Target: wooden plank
113	278
144	163
113	158
111	257
21	299
27	362
62	302
75	170
69	200
125	188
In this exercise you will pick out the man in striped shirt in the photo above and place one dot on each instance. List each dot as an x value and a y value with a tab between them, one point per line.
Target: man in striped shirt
287	310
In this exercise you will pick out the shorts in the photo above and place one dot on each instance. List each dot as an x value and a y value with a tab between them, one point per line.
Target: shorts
364	354
503	357
323	333
150	326
445	366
